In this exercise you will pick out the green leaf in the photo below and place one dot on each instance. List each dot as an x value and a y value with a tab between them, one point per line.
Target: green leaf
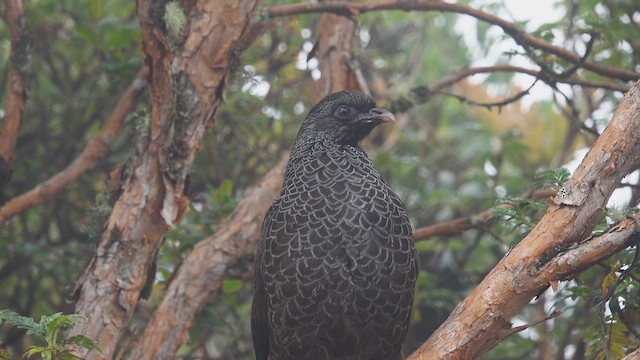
31	350
67	355
231	286
83	341
22	322
46	354
57	321
90	37
554	179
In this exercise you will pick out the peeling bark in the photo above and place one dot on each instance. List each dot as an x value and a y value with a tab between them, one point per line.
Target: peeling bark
201	274
19	73
336	36
203	271
481	320
185	89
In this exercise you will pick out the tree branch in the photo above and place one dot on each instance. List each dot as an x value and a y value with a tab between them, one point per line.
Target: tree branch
518	34
489	105
198	280
567	264
633	356
19	72
459	225
200	276
95	150
186	88
477	323
334	51
539	74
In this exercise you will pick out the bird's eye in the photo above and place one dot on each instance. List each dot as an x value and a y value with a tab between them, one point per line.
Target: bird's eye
343	112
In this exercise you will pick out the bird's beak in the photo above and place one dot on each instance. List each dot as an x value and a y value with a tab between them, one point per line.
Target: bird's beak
381	115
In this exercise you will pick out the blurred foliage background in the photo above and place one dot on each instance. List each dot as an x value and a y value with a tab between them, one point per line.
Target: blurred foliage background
445	157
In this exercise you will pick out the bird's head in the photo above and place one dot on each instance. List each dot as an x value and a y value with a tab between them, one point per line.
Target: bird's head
344	117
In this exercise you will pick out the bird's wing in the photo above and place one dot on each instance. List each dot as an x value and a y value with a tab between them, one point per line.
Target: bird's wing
259	325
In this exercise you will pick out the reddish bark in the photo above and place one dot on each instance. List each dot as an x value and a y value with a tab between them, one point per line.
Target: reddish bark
334	53
201	274
185	90
18	75
544	257
203	271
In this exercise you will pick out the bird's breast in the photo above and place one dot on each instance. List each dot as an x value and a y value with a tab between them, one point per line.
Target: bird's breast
337	209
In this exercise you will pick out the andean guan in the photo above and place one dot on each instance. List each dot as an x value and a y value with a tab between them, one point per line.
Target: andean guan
336	264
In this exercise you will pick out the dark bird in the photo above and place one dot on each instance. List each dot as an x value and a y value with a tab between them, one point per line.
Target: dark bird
335	266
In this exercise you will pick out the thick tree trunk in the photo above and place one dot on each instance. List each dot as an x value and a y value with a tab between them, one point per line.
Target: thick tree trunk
336	37
185	90
14	105
19	73
202	272
546	255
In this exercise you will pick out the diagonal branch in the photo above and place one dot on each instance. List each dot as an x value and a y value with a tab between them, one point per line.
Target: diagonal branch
567	264
95	150
545	255
468	72
482	219
489	105
517	33
633	356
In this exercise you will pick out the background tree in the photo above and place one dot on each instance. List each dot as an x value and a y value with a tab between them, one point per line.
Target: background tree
160	196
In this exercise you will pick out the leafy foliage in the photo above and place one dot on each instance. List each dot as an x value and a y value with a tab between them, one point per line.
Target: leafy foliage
553	179
445	158
49	329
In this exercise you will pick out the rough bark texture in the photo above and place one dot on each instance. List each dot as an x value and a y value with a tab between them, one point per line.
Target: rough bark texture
334	53
633	356
185	90
544	256
515	31
202	272
19	72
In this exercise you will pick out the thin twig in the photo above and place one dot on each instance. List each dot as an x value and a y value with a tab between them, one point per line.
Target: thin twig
517	33
489	105
95	150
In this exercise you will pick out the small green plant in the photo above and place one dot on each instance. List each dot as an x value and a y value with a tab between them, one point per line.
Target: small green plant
49	329
553	179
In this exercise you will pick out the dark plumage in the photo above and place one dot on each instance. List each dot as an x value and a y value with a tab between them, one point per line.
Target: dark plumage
335	266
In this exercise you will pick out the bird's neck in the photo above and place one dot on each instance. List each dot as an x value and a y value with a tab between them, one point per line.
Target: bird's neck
310	147
306	150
